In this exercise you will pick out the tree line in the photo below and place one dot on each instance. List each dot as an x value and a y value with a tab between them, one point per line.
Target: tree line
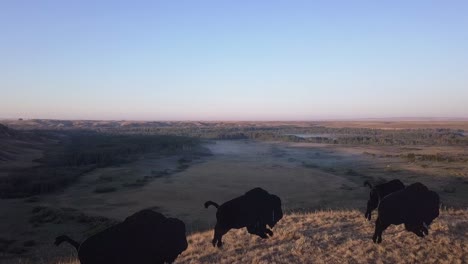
76	152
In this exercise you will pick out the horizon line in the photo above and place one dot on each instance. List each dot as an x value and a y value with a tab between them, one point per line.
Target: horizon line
371	119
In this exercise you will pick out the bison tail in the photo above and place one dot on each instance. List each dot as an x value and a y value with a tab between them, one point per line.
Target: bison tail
64	238
208	203
367	183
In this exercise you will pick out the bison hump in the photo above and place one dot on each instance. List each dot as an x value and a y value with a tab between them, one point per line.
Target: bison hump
145	216
257	191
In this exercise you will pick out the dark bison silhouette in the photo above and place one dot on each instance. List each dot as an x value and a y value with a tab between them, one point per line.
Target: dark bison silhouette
254	210
378	192
415	206
144	237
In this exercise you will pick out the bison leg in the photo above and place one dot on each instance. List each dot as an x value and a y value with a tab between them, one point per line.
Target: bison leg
425	230
376	233
253	229
263	230
417	229
379	228
368	215
259	229
419	233
218	235
262	235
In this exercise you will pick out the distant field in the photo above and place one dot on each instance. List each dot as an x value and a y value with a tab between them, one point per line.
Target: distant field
376	124
397	124
330	132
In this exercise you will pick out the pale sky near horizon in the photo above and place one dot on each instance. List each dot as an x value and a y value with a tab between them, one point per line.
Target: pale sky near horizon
233	60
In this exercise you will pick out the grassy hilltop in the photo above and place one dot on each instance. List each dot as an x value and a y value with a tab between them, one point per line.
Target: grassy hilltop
334	237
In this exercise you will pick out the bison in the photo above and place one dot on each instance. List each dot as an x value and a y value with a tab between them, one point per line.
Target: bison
144	237
415	206
378	192
254	210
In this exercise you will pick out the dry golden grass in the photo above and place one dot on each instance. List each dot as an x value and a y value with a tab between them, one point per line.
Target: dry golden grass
335	237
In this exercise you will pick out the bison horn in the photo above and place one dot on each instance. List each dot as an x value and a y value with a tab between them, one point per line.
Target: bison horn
425	225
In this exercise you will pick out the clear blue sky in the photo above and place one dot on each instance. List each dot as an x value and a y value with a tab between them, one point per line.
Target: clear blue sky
233	60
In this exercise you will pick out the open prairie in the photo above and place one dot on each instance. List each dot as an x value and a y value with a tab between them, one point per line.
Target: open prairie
308	176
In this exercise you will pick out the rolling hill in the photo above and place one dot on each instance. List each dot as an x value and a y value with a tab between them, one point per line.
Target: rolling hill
333	237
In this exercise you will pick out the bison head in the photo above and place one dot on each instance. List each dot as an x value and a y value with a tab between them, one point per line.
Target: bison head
432	211
372	203
175	239
428	211
276	212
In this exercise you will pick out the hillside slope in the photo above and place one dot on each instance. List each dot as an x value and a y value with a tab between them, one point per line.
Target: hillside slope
335	237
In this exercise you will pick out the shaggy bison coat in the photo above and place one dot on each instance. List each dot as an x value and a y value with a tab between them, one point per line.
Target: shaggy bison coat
144	237
415	206
378	192
254	210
